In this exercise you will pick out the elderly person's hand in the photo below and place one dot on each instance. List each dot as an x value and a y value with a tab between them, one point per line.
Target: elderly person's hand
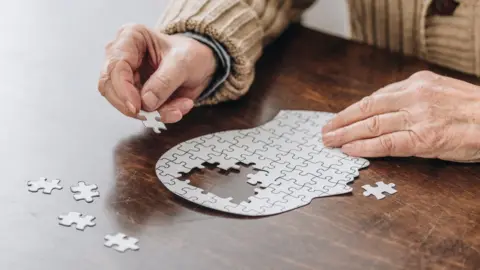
426	115
152	71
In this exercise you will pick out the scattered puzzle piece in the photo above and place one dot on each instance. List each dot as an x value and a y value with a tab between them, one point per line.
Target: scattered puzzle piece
121	243
80	220
379	190
45	185
85	192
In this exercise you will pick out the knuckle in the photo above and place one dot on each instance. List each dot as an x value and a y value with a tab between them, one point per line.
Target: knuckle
406	118
423	75
387	143
162	81
365	105
131	27
373	125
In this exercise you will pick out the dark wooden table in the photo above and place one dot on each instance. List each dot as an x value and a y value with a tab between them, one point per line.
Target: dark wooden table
55	124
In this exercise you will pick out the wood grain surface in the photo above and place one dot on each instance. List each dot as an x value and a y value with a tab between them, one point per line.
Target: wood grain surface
55	124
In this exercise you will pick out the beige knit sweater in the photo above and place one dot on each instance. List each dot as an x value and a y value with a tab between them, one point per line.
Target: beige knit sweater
243	27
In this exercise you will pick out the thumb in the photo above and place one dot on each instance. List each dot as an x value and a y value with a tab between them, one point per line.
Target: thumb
169	76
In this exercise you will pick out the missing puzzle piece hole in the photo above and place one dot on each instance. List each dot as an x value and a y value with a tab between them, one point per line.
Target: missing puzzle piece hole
223	183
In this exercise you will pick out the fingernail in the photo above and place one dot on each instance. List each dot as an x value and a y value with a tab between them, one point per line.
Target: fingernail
172	116
131	108
186	105
150	100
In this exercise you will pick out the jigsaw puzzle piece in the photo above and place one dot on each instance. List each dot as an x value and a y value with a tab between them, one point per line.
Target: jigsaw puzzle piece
45	185
299	136
270	152
224	162
242	210
310	168
188	160
198	195
218	143
266	178
230	136
275	127
305	193
179	187
326	159
167	167
81	221
255	205
204	153
237	152
190	145
291	161
305	152
152	120
299	177
285	145
334	174
379	190
219	203
249	143
270	194
283	185
259	135
318	185
260	163
121	243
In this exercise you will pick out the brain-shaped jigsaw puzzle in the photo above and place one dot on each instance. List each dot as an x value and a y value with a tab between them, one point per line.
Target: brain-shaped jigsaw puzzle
294	166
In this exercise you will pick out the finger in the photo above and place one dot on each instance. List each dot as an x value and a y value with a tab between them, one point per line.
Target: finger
397	144
164	81
174	110
393	87
171	116
368	107
113	99
123	85
369	128
184	105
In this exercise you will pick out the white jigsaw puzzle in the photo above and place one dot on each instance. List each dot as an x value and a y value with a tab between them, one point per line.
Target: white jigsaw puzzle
81	221
85	192
45	185
295	167
121	243
152	120
379	190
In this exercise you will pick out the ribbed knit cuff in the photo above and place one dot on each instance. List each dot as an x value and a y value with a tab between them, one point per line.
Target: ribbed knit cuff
234	25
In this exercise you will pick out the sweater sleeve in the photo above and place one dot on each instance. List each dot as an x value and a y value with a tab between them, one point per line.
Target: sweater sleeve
242	27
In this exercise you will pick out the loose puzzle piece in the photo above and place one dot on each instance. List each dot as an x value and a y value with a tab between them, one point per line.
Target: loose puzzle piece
85	192
45	185
152	120
80	220
379	190
294	167
121	243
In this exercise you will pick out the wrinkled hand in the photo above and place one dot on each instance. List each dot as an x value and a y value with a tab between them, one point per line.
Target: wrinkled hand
426	115
152	71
